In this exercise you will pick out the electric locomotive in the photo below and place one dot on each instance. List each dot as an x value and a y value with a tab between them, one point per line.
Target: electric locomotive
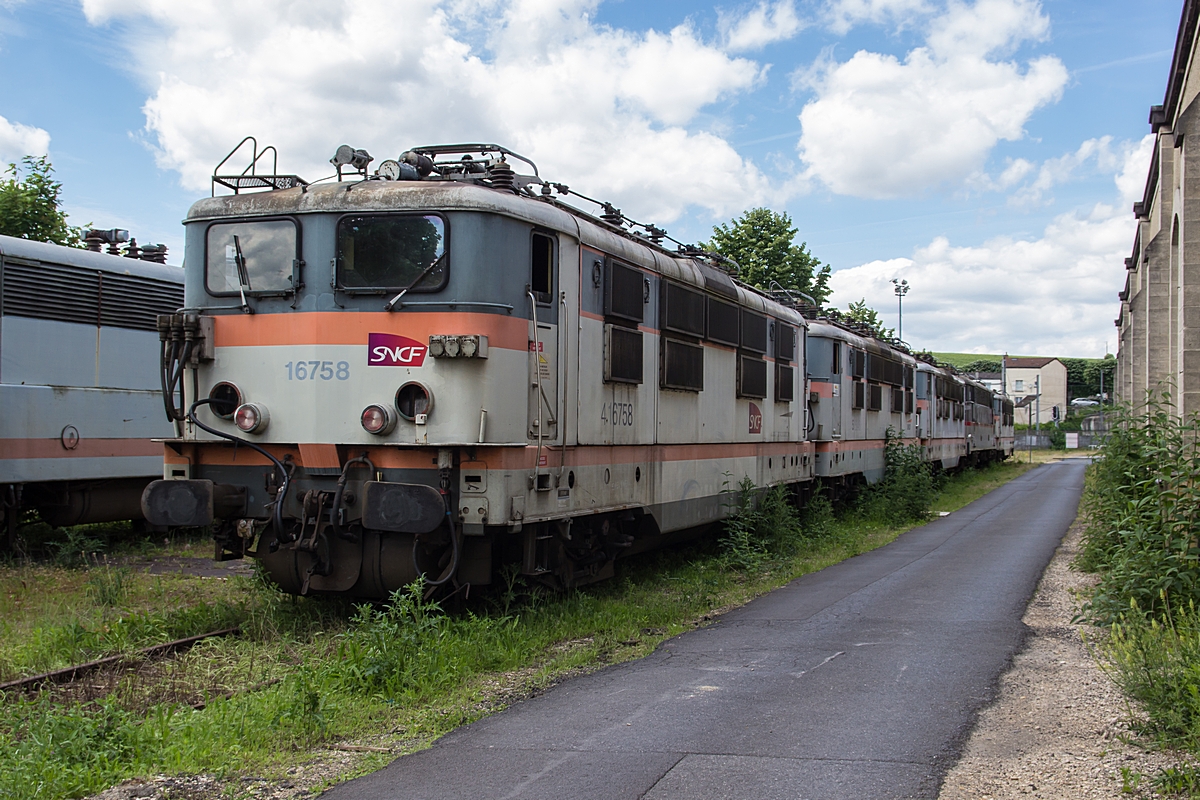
443	367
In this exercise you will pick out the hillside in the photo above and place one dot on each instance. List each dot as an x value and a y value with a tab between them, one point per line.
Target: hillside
962	359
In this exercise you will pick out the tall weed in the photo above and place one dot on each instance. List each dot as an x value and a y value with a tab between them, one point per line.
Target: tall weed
907	489
767	525
1142	505
1157	662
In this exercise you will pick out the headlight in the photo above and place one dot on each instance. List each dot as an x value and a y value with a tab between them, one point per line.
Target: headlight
252	417
413	401
378	419
225	398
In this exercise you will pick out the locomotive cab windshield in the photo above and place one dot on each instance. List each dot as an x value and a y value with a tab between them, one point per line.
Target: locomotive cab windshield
266	249
382	252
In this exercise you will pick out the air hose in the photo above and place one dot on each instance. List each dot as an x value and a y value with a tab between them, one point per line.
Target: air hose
454	554
284	483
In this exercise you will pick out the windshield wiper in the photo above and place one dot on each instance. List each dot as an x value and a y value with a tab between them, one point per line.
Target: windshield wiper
391	304
243	274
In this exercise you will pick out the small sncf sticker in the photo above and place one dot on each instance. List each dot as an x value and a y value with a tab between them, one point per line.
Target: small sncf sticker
390	350
755	419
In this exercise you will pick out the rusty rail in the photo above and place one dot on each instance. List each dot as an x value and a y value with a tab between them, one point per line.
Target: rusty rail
79	670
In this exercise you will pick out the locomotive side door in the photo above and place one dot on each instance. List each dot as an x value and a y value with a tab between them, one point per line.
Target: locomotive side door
837	370
543	362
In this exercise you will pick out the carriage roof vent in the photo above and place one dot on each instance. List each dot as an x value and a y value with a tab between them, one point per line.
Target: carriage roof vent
250	179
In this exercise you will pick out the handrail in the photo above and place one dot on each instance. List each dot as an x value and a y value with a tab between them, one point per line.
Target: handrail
537	378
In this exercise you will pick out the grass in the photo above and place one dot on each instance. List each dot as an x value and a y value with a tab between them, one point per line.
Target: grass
1141	504
308	673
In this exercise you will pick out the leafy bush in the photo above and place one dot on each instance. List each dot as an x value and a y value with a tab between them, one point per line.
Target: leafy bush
1158	663
907	489
765	524
1142	503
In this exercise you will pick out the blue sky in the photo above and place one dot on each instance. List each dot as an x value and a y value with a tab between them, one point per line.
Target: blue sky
986	151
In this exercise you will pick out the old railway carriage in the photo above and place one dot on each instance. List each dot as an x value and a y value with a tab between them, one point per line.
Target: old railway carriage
861	389
435	374
79	395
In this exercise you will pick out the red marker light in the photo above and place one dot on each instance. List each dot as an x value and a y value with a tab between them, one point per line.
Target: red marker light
378	420
251	417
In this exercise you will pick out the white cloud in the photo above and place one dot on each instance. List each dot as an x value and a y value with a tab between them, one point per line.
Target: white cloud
1053	295
884	127
606	109
1135	164
1127	160
842	15
765	24
986	27
17	140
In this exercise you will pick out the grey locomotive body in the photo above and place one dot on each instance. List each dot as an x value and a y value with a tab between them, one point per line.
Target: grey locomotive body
79	394
444	368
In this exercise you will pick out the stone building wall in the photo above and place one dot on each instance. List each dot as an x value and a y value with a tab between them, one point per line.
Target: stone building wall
1159	318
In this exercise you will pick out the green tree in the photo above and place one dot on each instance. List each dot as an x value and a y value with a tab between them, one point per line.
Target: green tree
981	365
863	314
762	242
1097	366
29	204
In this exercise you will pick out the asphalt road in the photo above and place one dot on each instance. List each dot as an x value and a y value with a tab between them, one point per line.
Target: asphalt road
860	681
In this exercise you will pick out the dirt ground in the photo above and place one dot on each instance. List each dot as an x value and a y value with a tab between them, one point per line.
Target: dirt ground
1059	727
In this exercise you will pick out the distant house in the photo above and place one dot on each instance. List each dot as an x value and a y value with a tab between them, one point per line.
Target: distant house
1027	378
991	380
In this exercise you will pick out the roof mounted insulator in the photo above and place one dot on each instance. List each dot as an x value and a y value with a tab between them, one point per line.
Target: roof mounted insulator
502	176
94	239
612	215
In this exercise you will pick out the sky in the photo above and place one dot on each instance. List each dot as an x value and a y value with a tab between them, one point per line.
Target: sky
987	152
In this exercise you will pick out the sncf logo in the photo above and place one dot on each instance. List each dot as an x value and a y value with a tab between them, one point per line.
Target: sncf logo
390	350
755	419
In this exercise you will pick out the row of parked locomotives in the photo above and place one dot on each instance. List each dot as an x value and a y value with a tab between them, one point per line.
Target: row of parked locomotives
80	398
863	391
445	367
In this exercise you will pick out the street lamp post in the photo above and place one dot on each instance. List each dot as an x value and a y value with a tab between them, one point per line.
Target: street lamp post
901	290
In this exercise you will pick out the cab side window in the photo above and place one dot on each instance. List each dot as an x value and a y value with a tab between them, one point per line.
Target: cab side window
541	279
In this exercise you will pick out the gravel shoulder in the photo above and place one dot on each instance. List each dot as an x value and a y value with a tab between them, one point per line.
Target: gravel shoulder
1059	726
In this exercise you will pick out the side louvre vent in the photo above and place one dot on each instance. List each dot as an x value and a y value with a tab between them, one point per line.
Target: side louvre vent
682	365
131	302
785	383
622	354
858	363
785	342
754	332
897	400
624	292
89	297
682	310
752	377
723	322
874	397
860	395
884	370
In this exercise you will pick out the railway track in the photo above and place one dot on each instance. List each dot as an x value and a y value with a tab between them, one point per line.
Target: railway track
35	683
